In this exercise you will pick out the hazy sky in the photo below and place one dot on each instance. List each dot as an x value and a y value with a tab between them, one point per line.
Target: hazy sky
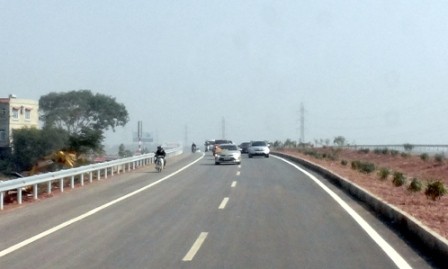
375	72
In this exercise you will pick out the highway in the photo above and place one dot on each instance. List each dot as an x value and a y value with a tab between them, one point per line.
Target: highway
265	213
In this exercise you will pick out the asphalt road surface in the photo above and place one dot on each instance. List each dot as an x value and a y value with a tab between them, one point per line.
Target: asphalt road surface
264	213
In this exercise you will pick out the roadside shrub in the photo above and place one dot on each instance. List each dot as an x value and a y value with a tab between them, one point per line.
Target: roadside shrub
344	162
385	151
424	156
435	190
383	173
367	167
313	153
363	167
394	152
439	158
333	156
355	165
405	155
377	151
365	151
399	179
415	186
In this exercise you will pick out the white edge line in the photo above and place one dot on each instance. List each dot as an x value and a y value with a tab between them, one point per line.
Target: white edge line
224	203
388	249
233	184
89	213
195	247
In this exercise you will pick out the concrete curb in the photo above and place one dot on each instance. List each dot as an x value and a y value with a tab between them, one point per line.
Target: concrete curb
436	245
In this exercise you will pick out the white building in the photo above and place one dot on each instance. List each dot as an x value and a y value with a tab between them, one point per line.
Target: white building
16	113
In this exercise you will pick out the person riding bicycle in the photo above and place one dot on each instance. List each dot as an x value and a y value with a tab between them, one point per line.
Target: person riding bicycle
160	153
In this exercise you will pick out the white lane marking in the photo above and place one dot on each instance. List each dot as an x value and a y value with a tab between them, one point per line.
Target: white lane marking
89	213
224	203
238	173
388	249
195	247
233	184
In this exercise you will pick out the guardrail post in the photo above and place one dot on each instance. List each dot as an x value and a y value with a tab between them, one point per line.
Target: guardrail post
49	187
61	184
105	173
90	177
72	182
19	196
112	171
35	191
98	174
82	179
2	197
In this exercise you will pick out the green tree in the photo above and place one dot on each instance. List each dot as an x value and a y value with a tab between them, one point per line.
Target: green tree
277	144
86	141
84	115
31	144
123	152
408	147
290	143
339	140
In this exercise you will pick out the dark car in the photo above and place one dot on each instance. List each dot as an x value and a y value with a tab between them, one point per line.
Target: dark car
244	147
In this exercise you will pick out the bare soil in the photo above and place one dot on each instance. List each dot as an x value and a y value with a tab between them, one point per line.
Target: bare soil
433	214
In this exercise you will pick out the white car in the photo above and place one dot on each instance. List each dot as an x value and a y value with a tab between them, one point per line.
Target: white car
228	153
258	148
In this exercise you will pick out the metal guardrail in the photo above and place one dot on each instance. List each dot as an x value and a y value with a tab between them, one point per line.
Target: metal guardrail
102	169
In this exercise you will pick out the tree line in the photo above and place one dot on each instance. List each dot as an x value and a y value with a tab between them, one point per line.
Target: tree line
73	121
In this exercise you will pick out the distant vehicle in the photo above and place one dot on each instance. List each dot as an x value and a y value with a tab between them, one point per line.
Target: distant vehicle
159	164
208	145
244	147
258	148
219	142
230	153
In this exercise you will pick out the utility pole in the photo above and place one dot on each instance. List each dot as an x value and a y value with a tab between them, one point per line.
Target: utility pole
139	135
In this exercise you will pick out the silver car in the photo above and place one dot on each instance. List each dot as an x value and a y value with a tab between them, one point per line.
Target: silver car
258	148
228	153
